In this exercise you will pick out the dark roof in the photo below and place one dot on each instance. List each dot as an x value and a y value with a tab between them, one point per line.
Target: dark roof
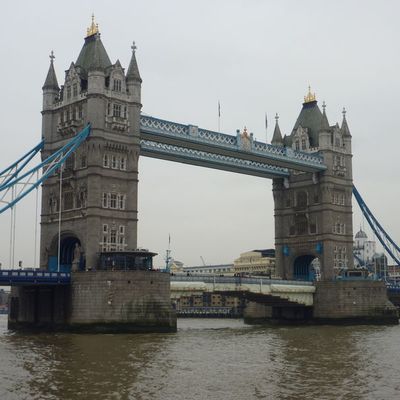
310	117
345	128
324	122
93	55
361	234
210	266
138	253
133	70
277	137
266	252
51	79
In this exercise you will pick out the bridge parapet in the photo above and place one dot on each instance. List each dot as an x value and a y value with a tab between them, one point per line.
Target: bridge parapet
15	277
293	291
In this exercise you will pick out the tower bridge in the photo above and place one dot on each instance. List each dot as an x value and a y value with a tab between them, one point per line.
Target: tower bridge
89	199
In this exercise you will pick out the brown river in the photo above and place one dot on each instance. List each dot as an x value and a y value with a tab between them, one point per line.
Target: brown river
206	359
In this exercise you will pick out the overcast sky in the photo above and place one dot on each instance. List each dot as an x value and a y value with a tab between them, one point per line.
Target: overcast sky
254	56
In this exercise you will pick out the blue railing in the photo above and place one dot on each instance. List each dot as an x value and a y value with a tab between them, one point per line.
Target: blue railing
393	286
14	277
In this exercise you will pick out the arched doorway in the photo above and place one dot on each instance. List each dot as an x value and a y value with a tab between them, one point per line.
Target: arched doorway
306	268
71	256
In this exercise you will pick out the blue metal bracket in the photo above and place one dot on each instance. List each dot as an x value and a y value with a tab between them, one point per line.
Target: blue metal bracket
14	174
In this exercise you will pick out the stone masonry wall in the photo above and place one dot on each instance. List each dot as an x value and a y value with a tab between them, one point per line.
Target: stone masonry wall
353	301
121	301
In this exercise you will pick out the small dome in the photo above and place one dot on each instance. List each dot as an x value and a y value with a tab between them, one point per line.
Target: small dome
361	235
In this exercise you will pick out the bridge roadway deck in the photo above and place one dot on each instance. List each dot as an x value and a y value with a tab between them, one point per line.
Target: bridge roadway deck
253	288
292	291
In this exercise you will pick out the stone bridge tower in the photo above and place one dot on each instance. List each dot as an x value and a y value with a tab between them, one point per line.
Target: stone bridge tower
99	182
313	212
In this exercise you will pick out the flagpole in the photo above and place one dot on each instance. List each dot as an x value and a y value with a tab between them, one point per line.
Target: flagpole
266	128
219	117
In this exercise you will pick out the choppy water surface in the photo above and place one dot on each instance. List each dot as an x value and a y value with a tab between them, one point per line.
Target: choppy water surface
206	359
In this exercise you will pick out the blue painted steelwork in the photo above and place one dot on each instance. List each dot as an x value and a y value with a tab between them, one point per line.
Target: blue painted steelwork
211	159
387	242
49	166
302	269
362	263
158	130
393	287
14	169
13	277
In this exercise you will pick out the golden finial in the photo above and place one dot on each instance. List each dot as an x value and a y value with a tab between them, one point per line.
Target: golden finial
93	28
245	132
310	96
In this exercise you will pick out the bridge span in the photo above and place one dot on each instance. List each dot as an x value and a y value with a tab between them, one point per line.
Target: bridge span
258	289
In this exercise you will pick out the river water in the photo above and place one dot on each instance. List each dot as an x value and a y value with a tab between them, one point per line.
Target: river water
206	359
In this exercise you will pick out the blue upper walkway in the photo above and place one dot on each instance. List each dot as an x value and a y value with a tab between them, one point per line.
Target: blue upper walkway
241	153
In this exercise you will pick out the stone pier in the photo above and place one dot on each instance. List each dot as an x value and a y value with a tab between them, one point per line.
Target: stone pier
335	302
97	301
353	302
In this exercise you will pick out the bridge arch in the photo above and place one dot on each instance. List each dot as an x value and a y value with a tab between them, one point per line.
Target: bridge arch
306	268
71	253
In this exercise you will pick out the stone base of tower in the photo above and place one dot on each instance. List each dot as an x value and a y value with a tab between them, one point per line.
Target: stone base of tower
353	302
121	301
97	301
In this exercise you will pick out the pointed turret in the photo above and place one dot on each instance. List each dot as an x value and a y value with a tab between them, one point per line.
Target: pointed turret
51	78
345	128
133	79
50	88
346	133
325	132
277	137
133	69
324	121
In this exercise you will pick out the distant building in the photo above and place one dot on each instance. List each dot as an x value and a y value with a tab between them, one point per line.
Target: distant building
176	267
256	262
364	249
220	269
365	256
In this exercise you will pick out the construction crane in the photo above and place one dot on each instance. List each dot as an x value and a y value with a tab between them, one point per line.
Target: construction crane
202	260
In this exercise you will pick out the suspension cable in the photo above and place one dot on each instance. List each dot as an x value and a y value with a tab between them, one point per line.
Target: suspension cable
59	220
387	242
36	221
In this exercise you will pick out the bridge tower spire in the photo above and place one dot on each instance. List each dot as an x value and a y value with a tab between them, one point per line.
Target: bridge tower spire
50	87
277	137
99	186
313	211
